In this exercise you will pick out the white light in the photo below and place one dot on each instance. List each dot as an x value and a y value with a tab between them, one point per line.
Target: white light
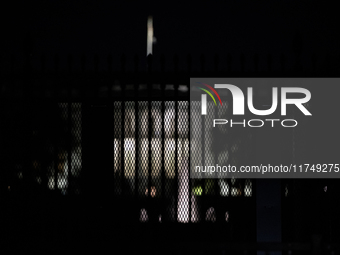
149	36
224	191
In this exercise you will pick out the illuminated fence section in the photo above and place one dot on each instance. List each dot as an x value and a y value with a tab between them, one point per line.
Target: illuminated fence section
153	161
129	146
150	144
143	148
151	158
169	157
209	159
169	119
183	162
196	159
156	149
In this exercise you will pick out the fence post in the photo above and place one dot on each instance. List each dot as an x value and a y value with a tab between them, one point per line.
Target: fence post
122	144
136	87
163	178
149	87
69	127
56	145
176	60
111	116
189	143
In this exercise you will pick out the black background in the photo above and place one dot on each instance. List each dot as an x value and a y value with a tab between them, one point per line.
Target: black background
193	27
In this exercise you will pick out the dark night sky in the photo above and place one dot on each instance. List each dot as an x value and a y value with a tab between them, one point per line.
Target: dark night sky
194	27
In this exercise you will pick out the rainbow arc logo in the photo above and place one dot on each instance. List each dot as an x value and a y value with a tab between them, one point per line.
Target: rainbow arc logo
204	97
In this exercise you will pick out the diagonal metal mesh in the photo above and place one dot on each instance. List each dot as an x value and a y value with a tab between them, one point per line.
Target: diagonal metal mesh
169	159
118	136
183	162
129	146
143	148
156	147
139	170
196	159
183	196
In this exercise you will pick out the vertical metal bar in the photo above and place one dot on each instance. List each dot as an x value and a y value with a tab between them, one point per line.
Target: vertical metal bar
122	140
176	140
27	86
188	137
149	122
136	87
183	159
56	147
176	157
69	144
203	181
163	142
84	115
216	188
150	144
69	131
56	163
111	123
163	134
189	158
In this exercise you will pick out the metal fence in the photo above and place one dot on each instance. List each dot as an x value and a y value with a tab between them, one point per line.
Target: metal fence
119	140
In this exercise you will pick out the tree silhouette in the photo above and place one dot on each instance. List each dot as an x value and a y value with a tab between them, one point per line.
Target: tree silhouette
32	134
